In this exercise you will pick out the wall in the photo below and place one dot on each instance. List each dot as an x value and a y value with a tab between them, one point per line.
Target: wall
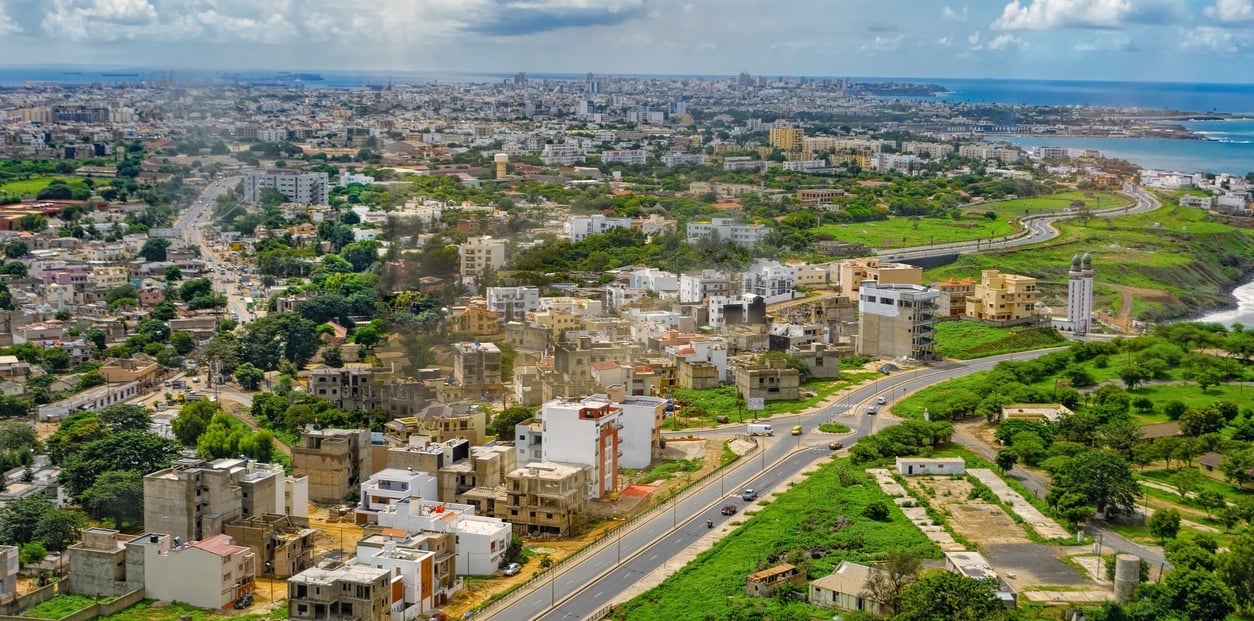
91	612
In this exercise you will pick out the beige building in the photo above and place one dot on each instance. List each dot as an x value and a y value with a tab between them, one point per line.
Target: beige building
282	545
1040	412
853	272
477	369
100	564
786	138
845	589
194	499
1003	298
954	293
348	592
546	497
336	461
440	422
479	480
897	321
479	254
212	573
140	368
771	380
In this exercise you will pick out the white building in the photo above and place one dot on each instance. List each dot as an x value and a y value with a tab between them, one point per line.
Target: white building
211	573
389	486
577	432
562	155
690	159
1079	317
478	254
653	279
481	541
883	162
769	279
347	178
511	303
618	295
641	421
625	156
694	288
802	165
713	351
581	227
1050	153
297	187
727	229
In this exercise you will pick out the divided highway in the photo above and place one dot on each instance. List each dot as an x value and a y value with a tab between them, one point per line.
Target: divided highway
590	584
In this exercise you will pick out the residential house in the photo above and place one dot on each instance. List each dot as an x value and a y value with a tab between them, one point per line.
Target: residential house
334	460
389	486
546	498
845	589
349	591
212	573
283	545
481	541
770	379
766	582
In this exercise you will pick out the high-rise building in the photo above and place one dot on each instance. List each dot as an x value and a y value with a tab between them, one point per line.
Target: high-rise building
297	187
1079	296
478	254
897	321
786	138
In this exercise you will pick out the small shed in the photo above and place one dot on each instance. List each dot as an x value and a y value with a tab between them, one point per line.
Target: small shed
1040	412
938	466
766	582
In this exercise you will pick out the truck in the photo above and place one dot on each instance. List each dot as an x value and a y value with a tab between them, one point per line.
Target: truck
760	429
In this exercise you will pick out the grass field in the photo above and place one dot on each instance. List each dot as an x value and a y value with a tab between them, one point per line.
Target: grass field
724	401
665	470
59	606
147	611
804	518
1050	204
31	187
900	232
965	340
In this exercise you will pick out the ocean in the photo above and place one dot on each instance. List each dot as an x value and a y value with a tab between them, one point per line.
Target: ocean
1230	152
1242	314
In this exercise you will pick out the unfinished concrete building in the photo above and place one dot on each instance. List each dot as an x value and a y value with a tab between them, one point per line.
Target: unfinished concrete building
283	545
546	497
194	498
335	460
479	481
347	592
99	564
440	422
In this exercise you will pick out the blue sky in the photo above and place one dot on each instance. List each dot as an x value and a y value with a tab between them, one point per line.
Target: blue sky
1146	40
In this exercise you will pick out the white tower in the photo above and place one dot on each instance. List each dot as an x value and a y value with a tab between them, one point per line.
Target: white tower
1080	294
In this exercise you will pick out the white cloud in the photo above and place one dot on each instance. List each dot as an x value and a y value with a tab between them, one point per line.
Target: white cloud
7	25
1231	11
884	44
1054	14
1212	40
1006	41
950	15
943	41
974	39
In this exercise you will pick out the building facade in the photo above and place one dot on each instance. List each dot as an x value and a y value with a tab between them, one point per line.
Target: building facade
897	321
306	188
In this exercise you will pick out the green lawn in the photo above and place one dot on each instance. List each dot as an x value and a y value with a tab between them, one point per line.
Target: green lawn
902	232
1050	204
31	187
60	606
965	340
723	401
1191	395
665	469
804	518
146	611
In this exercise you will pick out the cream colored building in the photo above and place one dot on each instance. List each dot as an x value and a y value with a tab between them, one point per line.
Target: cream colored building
854	271
786	138
1003	297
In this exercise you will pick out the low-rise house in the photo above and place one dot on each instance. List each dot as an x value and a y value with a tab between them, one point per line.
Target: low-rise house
283	545
936	466
770	380
212	573
766	582
349	591
1039	412
845	589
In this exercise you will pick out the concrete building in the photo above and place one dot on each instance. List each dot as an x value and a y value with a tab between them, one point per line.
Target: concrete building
727	230
9	564
1038	412
770	279
439	422
1079	319
770	380
696	288
786	138
479	480
546	498
99	564
845	589
481	541
853	272
1003	298
583	227
477	368
212	573
897	321
282	545
934	466
766	582
562	154
479	254
641	433
334	460
512	303
297	187
194	499
346	592
390	486
625	156
582	432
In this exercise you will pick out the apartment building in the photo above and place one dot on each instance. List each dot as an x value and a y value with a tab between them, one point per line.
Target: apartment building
1003	298
473	319
625	156
334	460
512	303
786	138
954	293
769	379
477	368
282	545
479	479
584	432
897	320
689	159
696	288
194	499
479	254
727	230
212	573
389	486
347	592
306	188
769	279
546	498
562	154
583	227
853	272
481	541
439	422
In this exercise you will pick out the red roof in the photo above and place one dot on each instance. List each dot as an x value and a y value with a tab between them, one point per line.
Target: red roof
218	544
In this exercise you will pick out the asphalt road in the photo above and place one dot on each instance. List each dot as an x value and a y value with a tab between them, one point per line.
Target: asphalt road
1040	229
191	225
581	589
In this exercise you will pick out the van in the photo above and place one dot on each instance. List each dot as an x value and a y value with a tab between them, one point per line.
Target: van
760	429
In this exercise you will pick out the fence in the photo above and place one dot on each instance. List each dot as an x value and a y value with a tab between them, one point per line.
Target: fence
34	598
595	545
94	611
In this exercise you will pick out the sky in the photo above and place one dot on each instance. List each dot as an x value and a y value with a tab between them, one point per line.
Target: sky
1137	40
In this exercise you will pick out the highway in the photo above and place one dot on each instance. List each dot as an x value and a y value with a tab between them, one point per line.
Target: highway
589	584
1040	228
191	226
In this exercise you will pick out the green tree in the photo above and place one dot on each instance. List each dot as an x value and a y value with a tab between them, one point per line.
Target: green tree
877	511
1103	477
117	494
155	249
173	273
1201	421
182	342
19	518
1187	481
333	357
249	376
137	451
1006	459
56	359
1073	508
97	338
1236	568
1210	501
60	529
367	336
125	417
503	424
1197	595
32	553
1164	524
192	421
898	570
947	596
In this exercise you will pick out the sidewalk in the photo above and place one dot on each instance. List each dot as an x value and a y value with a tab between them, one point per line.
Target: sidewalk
1045	527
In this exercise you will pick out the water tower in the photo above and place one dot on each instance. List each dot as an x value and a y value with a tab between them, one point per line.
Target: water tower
502	161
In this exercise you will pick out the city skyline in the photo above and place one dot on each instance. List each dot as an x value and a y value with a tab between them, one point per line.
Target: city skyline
1132	40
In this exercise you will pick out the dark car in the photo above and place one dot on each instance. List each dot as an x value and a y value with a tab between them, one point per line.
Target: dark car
749	494
729	509
835	446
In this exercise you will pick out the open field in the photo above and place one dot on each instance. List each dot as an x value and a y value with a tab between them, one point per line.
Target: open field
59	606
724	401
805	518
1050	204
30	187
149	610
902	232
965	340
